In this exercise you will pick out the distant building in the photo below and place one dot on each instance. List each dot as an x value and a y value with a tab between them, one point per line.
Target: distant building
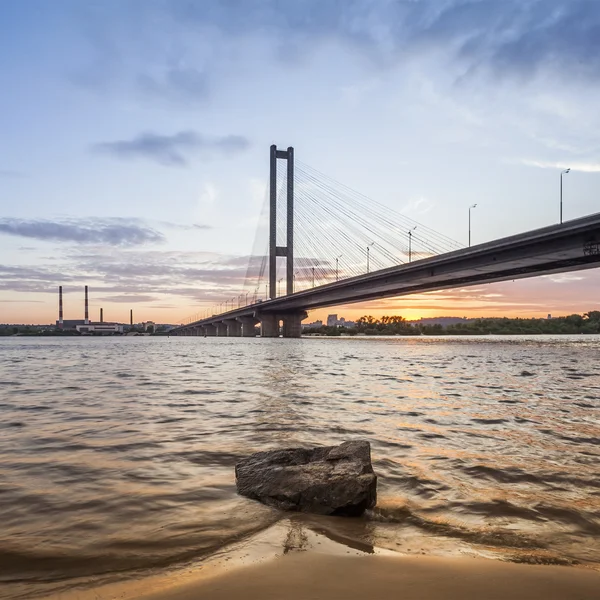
100	328
549	317
149	326
70	323
332	320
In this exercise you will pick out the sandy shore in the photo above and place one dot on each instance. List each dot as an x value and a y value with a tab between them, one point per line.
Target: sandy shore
290	561
305	576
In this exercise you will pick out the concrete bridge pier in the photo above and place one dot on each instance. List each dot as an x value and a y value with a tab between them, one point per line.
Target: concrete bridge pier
269	325
292	324
234	328
248	325
221	329
210	330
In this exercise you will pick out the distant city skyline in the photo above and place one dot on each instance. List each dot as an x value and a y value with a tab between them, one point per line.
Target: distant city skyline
136	135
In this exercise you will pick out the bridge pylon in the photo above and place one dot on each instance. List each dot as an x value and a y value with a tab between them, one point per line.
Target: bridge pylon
274	250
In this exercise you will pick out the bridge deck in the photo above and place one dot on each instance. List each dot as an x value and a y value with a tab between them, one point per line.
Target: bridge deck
571	246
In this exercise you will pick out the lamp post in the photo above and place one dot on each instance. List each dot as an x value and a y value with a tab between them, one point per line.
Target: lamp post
561	195
368	254
246	298
410	243
470	207
279	286
313	276
337	265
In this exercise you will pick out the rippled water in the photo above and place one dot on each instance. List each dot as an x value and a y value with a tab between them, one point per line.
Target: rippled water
117	454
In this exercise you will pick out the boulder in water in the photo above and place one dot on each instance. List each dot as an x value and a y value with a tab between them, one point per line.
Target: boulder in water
334	480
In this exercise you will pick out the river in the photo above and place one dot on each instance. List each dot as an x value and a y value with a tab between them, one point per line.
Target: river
117	454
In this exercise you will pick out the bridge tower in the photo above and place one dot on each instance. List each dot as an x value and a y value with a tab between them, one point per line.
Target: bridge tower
274	249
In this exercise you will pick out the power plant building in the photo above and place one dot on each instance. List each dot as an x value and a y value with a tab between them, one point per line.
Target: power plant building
85	326
100	328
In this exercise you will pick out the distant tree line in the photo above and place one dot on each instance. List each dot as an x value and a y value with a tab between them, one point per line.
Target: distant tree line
396	325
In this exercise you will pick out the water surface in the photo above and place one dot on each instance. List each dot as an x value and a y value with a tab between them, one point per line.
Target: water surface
117	454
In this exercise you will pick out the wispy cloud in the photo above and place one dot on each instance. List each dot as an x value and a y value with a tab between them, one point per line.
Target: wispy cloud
518	36
185	227
128	298
176	83
173	150
585	167
113	232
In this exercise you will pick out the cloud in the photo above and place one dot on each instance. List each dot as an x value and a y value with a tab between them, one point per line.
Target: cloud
173	150
584	167
181	226
128	298
114	232
177	83
518	36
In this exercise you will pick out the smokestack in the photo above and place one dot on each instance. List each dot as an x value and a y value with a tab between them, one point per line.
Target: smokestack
87	316
101	316
131	317
60	307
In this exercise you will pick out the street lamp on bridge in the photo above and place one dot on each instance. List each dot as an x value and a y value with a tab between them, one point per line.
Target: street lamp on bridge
410	243
561	195
368	254
279	286
470	207
337	264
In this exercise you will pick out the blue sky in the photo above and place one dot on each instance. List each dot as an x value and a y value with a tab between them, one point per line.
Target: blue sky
135	138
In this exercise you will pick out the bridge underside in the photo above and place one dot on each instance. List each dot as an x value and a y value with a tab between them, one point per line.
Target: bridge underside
572	246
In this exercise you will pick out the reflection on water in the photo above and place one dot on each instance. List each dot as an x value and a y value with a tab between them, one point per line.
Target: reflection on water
118	454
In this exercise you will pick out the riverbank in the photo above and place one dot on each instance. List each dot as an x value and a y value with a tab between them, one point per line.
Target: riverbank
291	562
299	577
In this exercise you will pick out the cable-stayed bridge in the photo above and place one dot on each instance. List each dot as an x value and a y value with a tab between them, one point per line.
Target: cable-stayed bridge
330	245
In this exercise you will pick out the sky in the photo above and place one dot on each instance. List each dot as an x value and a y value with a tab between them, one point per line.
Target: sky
135	137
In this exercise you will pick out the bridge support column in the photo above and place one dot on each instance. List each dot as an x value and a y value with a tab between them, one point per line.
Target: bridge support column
248	326
292	324
221	329
210	330
234	328
269	325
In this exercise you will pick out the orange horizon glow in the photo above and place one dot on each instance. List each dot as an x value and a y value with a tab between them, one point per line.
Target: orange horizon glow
528	298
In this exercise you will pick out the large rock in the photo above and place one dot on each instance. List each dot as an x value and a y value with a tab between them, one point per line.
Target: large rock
336	480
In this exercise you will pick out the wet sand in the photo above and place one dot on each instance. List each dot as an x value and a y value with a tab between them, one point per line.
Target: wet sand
311	576
289	562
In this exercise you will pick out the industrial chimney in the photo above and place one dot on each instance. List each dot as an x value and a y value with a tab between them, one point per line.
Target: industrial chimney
87	317
101	316
131	317
60	307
